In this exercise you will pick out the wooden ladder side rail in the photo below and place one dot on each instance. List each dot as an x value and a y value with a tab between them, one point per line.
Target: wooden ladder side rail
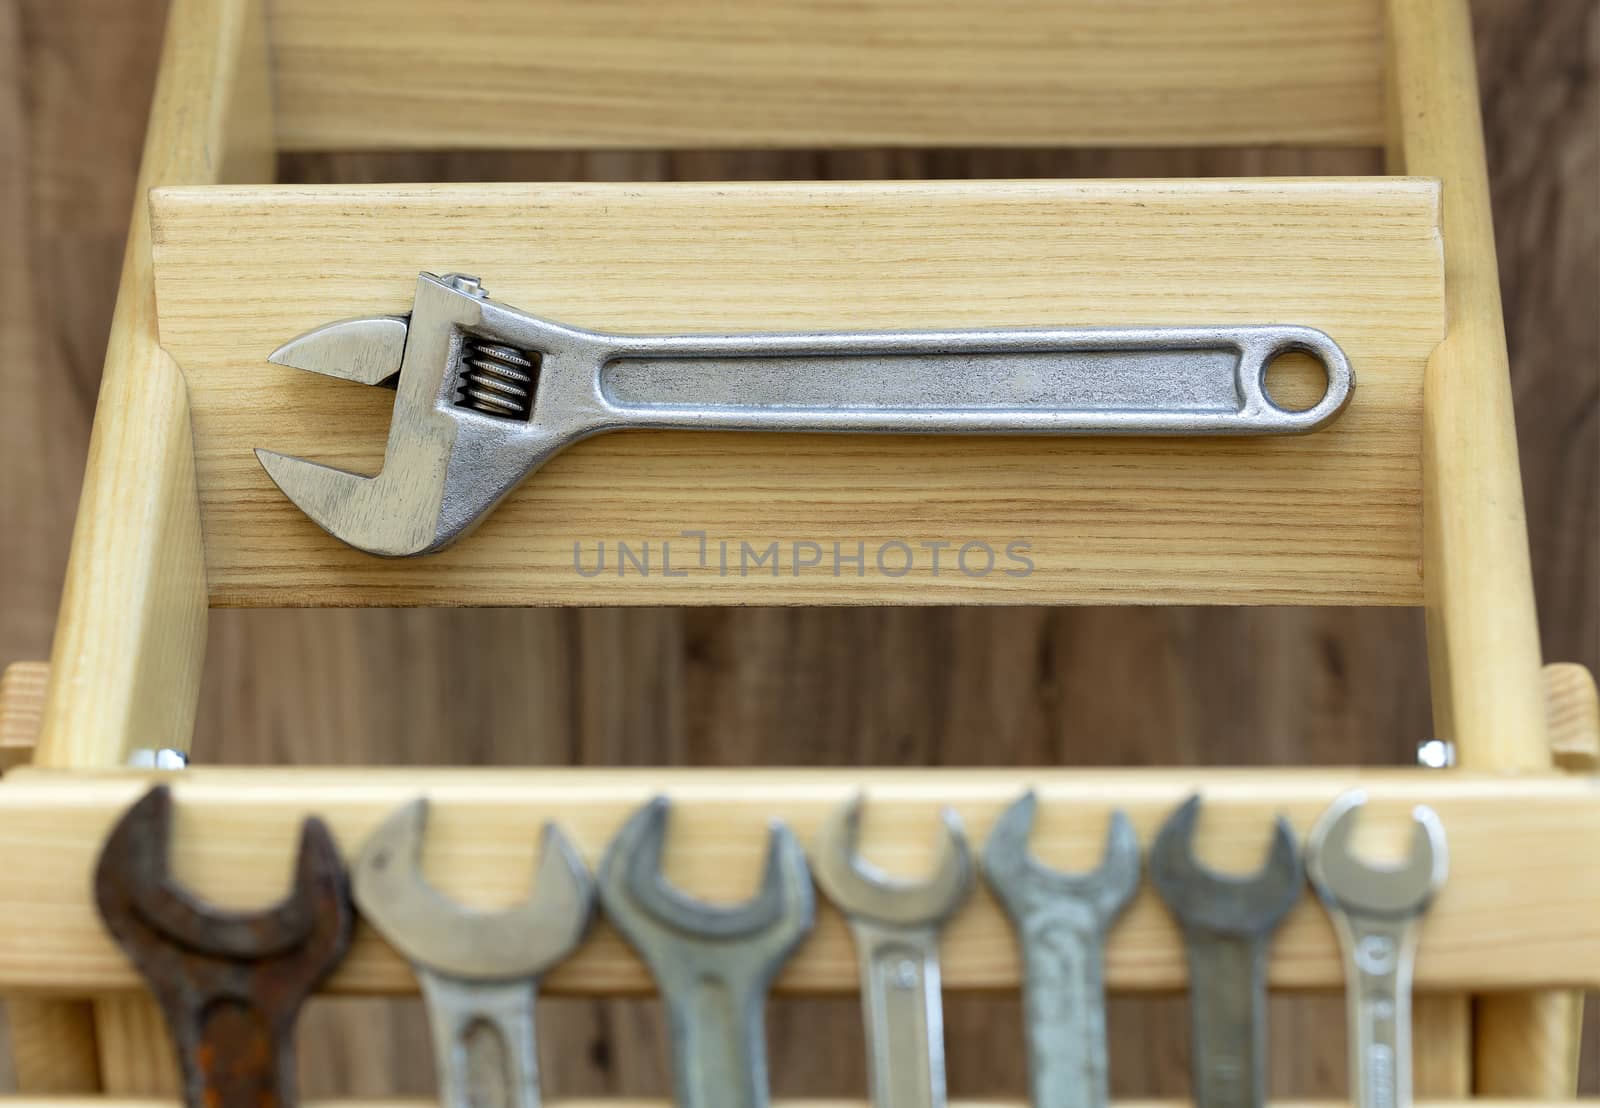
130	636
1483	635
1542	1031
54	1051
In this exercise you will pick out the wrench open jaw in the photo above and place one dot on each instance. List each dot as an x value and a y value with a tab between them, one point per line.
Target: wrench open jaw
450	457
229	983
432	930
1341	877
639	898
861	889
485	394
1020	880
1200	897
479	970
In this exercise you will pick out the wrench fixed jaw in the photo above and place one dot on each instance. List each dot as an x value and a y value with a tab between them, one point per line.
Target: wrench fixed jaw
1019	879
1201	898
861	889
1342	878
435	932
138	897
447	461
639	899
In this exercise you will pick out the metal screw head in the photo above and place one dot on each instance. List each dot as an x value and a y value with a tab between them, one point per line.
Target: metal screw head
1436	754
162	758
462	282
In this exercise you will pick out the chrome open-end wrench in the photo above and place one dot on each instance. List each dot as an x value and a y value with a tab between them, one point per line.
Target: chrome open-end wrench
1061	921
712	964
1227	928
1377	912
487	393
896	926
479	970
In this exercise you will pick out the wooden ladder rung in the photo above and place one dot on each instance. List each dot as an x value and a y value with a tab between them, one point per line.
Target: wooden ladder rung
1522	871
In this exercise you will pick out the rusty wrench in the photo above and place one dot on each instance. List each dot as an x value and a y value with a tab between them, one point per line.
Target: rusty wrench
479	970
230	983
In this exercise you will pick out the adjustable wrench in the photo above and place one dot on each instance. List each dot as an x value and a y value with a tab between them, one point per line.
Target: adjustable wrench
1227	926
712	964
1061	921
1377	912
230	983
487	393
896	926
479	970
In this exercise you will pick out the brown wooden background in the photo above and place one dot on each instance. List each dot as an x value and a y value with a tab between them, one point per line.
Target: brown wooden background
705	687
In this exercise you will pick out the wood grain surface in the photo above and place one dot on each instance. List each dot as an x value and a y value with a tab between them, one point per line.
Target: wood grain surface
1331	517
820	687
795	73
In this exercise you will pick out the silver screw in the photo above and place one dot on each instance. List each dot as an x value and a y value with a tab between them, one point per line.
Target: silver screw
461	282
1436	754
163	758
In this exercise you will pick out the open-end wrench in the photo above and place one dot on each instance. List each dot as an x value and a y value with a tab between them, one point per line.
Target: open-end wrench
479	970
1061	921
488	393
1377	912
230	983
712	964
1227	926
896	926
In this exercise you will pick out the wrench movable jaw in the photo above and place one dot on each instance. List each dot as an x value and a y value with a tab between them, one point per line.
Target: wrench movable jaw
433	931
1019	879
1341	877
367	349
1200	897
861	889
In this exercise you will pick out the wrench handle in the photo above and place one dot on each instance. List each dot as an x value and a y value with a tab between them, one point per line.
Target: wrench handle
719	1048
484	1040
900	1004
1228	1019
1160	381
238	1055
1379	955
1064	998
